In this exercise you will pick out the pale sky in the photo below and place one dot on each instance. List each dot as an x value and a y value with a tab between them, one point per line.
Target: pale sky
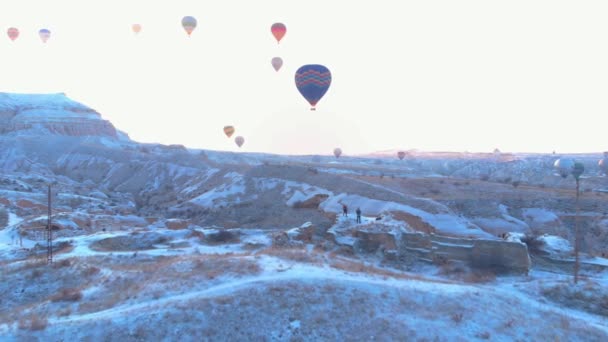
520	75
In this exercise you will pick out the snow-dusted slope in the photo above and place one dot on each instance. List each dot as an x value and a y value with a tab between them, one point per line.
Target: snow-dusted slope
50	113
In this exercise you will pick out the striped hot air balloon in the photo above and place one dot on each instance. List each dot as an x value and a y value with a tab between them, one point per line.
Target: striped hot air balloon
44	34
277	63
13	33
228	130
313	81
189	24
278	31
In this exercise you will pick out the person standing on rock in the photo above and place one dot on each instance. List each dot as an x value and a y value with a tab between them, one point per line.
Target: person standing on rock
358	215
344	210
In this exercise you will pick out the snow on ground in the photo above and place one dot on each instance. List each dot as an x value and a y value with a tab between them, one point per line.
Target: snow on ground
9	236
539	215
555	244
433	305
212	197
445	223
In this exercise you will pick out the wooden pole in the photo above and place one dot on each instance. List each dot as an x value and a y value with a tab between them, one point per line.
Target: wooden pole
49	253
576	235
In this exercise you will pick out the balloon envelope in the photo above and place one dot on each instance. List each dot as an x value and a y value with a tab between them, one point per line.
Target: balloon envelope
277	63
239	141
564	166
189	24
13	33
401	155
337	152
136	28
603	164
278	31
44	35
313	81
228	130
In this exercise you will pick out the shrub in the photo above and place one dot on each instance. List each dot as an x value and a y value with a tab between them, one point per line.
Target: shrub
533	242
515	184
62	263
67	295
480	276
484	177
457	317
483	335
223	236
91	271
33	323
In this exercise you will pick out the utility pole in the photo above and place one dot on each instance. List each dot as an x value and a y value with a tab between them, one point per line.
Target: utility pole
49	227
576	242
577	171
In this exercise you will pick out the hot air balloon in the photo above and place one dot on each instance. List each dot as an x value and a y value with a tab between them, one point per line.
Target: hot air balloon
13	33
401	155
564	166
603	164
277	63
189	24
228	130
313	81
278	31
239	140
44	35
337	152
136	28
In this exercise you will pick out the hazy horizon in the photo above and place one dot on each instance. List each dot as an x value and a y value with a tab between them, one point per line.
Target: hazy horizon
523	76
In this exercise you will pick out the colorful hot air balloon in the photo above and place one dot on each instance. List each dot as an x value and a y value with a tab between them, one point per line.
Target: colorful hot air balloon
13	33
278	31
401	155
136	28
313	81
337	152
44	35
189	24
228	130
277	63
239	140
564	166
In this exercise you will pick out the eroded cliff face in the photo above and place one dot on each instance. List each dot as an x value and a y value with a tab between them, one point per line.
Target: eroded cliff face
51	113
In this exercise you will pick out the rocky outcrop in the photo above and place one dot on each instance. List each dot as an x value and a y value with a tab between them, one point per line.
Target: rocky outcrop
52	113
396	245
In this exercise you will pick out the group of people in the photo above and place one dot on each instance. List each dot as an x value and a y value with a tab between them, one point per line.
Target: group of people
345	212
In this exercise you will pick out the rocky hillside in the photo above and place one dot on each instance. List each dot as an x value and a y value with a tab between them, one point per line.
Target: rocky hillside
52	113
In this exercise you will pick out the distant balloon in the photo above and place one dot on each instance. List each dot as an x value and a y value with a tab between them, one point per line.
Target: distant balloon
189	24
277	63
44	35
313	81
577	170
564	166
401	155
228	130
239	141
136	28
13	33
603	164
337	152
278	31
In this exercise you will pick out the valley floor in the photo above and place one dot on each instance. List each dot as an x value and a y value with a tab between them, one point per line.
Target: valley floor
181	288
